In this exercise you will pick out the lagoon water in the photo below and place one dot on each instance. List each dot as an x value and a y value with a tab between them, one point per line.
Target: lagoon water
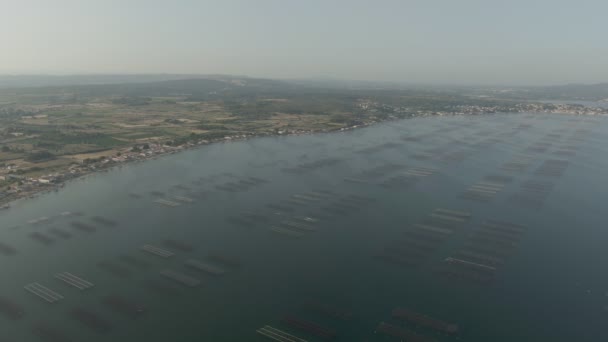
365	189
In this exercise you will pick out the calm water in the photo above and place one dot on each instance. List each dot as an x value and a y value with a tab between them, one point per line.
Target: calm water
367	189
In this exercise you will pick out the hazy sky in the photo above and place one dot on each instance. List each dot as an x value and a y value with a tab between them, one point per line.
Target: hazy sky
445	41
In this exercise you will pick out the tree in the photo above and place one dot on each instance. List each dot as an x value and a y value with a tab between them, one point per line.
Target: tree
5	148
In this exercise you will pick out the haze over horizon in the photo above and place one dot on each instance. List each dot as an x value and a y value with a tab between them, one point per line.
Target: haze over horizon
533	42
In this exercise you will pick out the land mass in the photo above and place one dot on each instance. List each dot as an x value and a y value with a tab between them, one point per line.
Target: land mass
55	132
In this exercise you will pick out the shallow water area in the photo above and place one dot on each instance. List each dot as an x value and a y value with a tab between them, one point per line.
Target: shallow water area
494	223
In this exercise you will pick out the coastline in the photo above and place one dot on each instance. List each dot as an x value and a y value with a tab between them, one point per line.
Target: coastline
6	202
110	163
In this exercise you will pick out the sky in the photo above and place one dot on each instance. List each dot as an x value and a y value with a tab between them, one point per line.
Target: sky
412	41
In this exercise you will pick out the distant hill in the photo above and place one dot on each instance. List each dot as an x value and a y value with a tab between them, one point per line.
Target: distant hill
22	81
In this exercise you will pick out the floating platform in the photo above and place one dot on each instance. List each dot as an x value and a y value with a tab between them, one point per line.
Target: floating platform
477	196
472	266
299	226
163	253
60	233
167	202
104	221
180	278
515	166
278	335
306	219
401	333
74	280
91	320
11	309
287	232
356	180
487	187
455	215
425	321
306	197
432	229
43	292
504	227
204	267
323	194
124	306
39	220
87	228
42	238
480	258
183	199
420	171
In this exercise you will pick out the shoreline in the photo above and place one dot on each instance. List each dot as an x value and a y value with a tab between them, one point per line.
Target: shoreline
6	203
106	165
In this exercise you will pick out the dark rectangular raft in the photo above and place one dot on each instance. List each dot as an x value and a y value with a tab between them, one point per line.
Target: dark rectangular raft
47	333
60	233
425	321
91	320
309	327
10	309
180	278
7	250
204	267
87	228
42	238
104	221
124	306
401	333
278	335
